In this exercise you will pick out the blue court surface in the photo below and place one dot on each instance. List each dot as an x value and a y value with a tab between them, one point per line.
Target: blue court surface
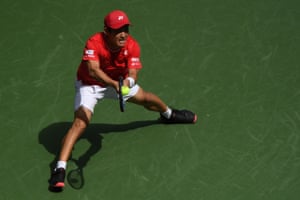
235	63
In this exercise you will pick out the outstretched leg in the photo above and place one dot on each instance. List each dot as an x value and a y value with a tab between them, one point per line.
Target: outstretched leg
149	100
152	102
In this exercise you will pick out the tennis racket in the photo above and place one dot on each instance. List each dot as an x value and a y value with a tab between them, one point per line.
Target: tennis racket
75	177
121	98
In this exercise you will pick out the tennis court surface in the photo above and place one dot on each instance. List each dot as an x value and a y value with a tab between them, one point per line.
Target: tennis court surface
234	63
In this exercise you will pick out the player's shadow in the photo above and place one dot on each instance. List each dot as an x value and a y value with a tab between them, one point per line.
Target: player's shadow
51	137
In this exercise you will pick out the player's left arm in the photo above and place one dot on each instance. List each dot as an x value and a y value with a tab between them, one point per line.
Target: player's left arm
134	64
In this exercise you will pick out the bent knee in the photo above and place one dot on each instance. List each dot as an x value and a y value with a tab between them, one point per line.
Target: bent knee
79	124
82	118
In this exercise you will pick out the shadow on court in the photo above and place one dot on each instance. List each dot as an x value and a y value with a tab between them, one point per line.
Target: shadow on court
51	137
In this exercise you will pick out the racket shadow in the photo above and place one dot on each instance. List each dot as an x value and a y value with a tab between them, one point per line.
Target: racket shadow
51	136
75	177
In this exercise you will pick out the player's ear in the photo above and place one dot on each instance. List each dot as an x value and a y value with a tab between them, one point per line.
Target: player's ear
105	30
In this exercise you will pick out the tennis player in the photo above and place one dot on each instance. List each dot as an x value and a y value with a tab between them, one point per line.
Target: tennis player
107	56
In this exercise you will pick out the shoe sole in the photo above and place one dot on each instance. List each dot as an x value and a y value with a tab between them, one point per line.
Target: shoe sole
171	122
195	119
59	185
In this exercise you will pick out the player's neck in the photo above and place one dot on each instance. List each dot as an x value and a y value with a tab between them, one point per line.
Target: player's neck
113	49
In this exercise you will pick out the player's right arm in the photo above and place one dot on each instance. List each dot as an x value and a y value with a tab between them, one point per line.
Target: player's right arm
98	74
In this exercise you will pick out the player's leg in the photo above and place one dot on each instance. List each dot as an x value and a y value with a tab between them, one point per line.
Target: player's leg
85	101
81	120
149	100
152	102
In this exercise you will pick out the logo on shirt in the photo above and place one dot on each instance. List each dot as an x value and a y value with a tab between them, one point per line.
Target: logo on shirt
89	52
135	60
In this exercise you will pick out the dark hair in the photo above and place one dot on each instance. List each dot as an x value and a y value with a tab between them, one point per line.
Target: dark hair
124	28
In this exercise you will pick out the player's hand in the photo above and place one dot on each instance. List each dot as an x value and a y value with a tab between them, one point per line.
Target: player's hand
126	82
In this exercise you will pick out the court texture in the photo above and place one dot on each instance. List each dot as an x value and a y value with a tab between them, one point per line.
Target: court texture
235	63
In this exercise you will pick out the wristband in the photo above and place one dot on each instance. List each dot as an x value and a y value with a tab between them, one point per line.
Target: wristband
131	81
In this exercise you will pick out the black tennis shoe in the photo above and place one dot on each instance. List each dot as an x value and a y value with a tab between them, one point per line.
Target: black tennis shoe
57	179
180	117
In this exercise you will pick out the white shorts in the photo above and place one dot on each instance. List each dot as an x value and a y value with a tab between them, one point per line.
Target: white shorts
89	95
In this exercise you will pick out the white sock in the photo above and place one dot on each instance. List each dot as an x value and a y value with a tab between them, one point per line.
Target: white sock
168	113
61	164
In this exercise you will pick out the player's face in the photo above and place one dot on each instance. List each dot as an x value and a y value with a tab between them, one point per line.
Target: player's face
118	37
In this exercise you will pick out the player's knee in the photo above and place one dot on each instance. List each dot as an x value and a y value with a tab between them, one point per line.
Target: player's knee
82	118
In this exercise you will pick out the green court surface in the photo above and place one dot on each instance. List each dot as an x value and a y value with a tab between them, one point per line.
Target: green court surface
235	63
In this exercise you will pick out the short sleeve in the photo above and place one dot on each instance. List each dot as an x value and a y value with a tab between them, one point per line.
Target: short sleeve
134	56
90	50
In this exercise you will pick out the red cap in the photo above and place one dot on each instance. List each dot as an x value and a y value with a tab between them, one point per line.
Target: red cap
116	19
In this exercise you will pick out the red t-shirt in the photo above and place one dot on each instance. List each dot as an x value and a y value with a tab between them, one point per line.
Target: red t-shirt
114	64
